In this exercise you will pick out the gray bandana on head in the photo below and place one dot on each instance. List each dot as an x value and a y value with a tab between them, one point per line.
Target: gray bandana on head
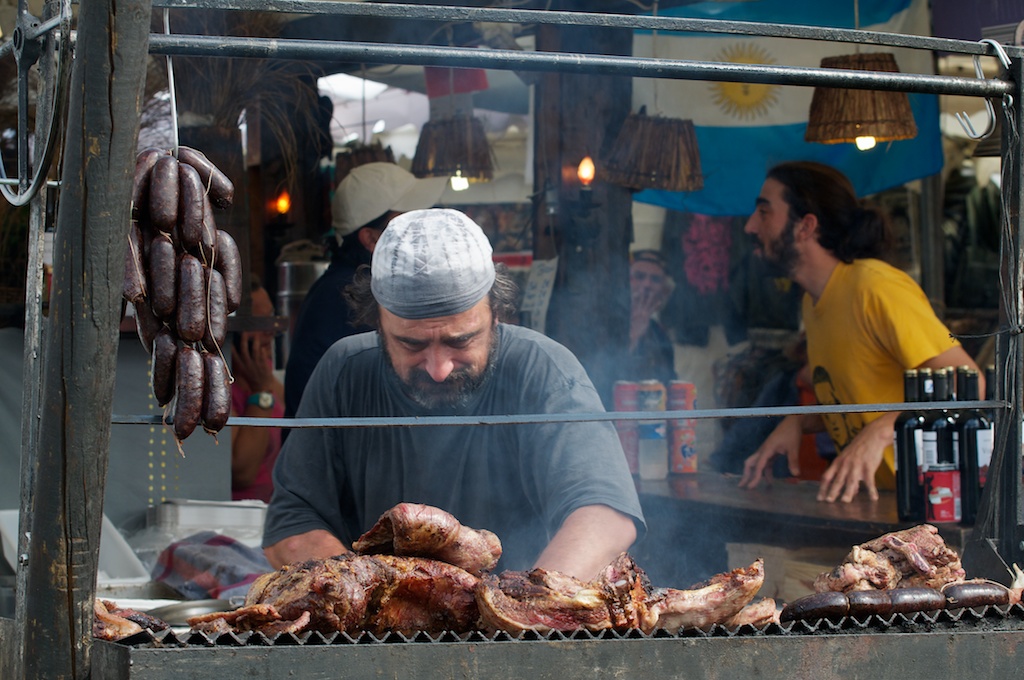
431	263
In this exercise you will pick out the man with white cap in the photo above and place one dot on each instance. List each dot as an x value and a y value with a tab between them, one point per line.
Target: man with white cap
363	204
558	495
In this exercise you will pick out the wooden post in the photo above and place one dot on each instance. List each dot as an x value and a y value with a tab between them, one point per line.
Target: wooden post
80	344
579	115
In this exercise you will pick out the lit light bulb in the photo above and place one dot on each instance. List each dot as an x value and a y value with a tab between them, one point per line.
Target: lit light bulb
865	143
458	182
283	202
586	171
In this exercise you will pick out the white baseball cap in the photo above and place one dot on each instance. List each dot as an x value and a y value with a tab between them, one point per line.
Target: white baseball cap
372	189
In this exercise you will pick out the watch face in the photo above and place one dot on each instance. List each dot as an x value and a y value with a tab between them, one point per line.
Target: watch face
266	400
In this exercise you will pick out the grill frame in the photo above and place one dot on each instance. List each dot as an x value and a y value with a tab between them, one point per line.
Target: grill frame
986	640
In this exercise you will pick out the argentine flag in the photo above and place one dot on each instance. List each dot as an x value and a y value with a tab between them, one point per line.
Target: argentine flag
745	128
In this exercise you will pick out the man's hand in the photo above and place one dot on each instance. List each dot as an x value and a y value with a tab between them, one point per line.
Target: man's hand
252	360
857	462
783	441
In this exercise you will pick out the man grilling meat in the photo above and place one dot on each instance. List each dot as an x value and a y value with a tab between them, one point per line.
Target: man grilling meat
558	495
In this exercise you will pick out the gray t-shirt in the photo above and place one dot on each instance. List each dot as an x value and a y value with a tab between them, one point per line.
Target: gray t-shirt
519	481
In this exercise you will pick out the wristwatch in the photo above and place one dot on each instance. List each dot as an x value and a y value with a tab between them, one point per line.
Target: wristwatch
264	400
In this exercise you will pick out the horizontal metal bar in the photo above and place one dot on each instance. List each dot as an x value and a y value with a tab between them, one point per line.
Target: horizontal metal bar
381	53
527	418
593	19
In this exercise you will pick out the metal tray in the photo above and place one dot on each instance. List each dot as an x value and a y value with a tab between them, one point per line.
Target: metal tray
176	614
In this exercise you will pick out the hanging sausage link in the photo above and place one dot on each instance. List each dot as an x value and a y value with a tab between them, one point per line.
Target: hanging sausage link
183	277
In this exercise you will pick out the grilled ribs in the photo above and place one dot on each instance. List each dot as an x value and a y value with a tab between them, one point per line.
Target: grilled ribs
415	530
622	598
912	557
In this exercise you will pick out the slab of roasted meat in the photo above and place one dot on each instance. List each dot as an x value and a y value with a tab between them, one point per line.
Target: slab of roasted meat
111	622
382	593
352	593
620	599
912	557
758	613
415	530
716	600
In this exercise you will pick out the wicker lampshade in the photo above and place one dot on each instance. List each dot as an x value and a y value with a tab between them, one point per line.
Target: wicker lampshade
842	115
455	145
652	152
360	154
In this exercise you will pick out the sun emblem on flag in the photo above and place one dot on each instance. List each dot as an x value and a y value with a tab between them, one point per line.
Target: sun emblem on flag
745	100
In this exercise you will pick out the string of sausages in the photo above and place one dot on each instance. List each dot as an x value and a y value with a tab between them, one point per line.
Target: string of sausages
858	603
183	276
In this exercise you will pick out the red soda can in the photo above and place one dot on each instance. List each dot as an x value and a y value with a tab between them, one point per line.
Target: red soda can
624	396
682	396
942	493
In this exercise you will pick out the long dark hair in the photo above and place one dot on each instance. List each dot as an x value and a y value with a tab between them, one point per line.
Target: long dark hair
848	229
365	310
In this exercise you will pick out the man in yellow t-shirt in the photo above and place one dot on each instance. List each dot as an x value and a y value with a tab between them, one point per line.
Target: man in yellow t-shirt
866	323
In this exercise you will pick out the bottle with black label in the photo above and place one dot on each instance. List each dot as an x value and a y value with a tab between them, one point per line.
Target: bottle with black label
939	430
907	450
925	393
976	443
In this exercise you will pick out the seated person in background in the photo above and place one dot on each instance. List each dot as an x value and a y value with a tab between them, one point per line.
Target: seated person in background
866	322
651	355
557	495
258	393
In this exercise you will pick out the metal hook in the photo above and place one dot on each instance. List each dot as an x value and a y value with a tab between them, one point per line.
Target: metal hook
962	118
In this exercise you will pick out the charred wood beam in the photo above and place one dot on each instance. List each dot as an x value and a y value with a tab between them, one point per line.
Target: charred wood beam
80	341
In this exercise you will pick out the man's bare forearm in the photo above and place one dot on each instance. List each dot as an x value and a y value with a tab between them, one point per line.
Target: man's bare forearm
588	540
312	545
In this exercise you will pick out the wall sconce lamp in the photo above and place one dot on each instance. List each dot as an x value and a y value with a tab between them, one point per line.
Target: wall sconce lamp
283	203
585	172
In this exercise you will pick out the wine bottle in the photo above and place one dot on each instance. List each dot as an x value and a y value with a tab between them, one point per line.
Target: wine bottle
976	443
939	428
907	450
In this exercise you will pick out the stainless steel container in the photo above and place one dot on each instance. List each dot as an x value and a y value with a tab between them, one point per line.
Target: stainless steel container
294	280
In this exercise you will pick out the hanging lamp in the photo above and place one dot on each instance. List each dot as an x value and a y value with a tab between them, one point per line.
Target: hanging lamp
655	152
862	117
453	143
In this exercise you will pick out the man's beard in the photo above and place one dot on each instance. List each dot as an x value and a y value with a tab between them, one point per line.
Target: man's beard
454	392
782	251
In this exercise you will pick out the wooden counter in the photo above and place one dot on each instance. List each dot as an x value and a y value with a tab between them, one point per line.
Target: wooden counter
691	519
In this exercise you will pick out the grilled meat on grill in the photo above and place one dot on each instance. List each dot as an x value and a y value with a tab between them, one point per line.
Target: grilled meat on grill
713	601
415	530
376	593
912	557
758	613
111	622
543	601
622	598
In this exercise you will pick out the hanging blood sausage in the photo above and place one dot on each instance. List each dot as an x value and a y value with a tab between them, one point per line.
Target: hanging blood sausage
218	186
189	391
216	393
183	277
